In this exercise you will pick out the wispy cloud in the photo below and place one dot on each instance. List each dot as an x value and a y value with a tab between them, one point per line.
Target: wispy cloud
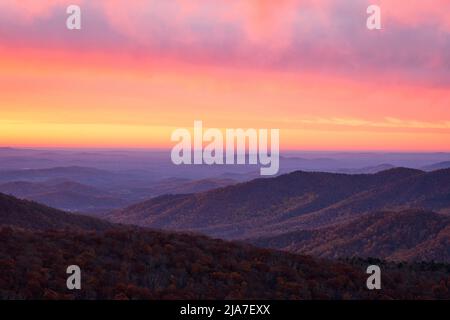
387	122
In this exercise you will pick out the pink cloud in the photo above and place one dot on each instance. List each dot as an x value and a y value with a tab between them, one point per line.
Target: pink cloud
28	10
417	12
326	36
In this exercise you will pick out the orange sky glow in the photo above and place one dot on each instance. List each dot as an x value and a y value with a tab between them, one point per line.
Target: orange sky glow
135	72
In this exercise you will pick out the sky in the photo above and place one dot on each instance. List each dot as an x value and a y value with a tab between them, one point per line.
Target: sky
137	70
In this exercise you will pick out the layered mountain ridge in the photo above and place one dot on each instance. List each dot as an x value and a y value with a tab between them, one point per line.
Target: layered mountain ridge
299	200
120	262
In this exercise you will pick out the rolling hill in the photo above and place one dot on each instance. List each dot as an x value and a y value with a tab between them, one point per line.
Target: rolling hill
429	191
410	235
95	191
124	262
140	264
291	202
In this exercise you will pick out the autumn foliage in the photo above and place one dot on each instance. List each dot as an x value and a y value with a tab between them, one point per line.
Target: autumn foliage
131	263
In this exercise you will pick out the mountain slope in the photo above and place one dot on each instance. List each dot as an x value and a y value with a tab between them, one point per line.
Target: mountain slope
121	262
140	264
31	215
289	202
408	235
429	191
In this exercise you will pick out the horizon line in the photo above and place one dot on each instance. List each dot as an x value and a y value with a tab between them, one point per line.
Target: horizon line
165	149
